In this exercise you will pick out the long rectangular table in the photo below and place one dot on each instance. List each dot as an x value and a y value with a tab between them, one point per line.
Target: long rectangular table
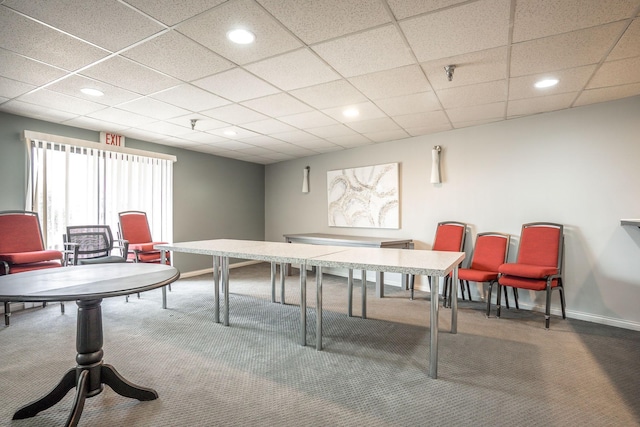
421	262
356	241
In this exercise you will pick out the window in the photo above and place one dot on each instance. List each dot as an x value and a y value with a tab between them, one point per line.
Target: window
73	182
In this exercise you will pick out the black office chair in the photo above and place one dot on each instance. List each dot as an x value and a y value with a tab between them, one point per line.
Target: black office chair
94	244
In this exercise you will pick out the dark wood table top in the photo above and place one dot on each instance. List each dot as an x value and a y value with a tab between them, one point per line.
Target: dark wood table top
85	282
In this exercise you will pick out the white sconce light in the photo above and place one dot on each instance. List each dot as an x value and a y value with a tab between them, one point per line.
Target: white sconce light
305	179
435	165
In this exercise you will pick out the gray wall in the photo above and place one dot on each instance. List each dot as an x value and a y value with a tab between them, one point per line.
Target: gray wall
578	167
214	197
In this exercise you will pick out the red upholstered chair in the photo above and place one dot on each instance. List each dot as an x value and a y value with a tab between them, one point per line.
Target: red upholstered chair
134	228
539	263
22	248
490	252
449	237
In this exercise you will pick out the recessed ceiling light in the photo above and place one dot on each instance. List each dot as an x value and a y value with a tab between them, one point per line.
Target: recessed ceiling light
230	132
351	112
546	83
91	92
241	36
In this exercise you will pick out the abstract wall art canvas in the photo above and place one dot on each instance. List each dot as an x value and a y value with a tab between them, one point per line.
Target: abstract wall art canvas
366	197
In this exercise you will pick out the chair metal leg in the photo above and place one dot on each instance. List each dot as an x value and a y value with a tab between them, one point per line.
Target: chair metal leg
506	297
61	307
7	313
562	302
498	300
468	290
515	296
489	298
547	312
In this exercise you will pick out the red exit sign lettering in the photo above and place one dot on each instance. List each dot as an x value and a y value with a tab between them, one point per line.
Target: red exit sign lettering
112	139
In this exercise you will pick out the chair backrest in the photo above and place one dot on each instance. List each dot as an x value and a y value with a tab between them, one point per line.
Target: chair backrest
94	241
134	227
490	252
20	232
541	244
450	236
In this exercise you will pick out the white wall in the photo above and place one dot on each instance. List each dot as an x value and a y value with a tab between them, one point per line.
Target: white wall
579	167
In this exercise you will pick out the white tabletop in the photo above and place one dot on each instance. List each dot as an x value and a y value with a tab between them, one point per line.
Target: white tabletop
85	282
421	262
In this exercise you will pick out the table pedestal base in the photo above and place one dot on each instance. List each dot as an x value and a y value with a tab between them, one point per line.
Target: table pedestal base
90	374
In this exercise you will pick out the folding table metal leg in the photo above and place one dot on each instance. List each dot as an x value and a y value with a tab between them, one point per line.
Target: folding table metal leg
216	289
433	348
303	305
319	308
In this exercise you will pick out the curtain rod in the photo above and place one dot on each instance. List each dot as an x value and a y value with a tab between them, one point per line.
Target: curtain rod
30	135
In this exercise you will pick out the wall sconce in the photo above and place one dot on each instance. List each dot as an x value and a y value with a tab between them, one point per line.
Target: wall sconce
305	179
435	165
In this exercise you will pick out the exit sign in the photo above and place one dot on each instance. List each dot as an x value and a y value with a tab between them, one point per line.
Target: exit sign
112	139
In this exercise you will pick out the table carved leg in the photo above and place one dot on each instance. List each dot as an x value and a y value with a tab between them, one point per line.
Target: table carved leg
90	374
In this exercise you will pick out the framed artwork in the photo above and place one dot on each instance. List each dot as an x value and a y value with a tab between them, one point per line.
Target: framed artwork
366	197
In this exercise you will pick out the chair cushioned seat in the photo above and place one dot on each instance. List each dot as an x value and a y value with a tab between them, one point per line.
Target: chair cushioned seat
523	282
479	276
528	271
30	257
145	247
111	259
19	268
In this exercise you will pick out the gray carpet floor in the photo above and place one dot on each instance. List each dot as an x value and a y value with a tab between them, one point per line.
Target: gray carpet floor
373	372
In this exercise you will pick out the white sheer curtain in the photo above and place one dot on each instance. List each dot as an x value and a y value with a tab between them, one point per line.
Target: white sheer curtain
69	184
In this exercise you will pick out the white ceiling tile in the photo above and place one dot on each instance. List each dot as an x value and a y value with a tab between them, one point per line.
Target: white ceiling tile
382	124
234	114
262	141
521	107
460	125
359	53
367	111
408	104
475	67
468	28
128	75
202	137
429	129
22	35
629	44
331	131
403	8
256	151
36	111
294	70
165	128
153	108
26	70
176	55
94	124
280	104
624	71
144	135
318	20
203	123
386	136
113	95
294	150
268	126
571	80
315	144
121	117
533	20
106	23
351	141
328	95
482	93
567	50
309	119
422	120
240	133
394	82
294	137
233	145
477	112
211	27
62	102
171	12
604	94
211	149
11	88
190	98
236	85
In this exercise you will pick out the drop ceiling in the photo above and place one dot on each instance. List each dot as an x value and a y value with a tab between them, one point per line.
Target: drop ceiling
162	64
